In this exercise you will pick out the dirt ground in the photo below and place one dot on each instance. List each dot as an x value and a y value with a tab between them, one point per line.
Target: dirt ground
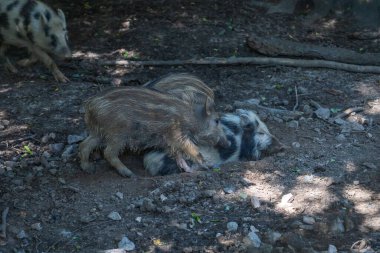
332	172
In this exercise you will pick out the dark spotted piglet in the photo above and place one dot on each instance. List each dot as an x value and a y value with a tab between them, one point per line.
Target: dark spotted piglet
137	118
35	26
248	135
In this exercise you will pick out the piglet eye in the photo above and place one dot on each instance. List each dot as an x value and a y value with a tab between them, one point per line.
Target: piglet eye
217	121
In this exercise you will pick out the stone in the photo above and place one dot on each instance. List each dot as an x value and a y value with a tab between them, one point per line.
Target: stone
252	239
323	113
120	195
293	124
370	165
340	137
287	198
255	202
209	193
272	236
229	189
36	226
69	151
232	226
332	249
126	244
337	227
296	145
114	216
21	234
308	220
71	139
138	219
56	147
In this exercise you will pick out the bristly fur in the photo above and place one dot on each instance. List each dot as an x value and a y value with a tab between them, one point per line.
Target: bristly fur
138	118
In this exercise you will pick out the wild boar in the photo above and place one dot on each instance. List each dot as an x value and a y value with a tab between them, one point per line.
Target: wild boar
248	137
184	86
33	25
138	118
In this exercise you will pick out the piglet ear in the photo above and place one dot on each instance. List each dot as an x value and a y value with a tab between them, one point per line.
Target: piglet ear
209	106
61	15
244	120
43	20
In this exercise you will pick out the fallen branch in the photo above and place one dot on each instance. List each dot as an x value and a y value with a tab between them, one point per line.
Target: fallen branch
280	47
348	111
267	110
248	60
4	223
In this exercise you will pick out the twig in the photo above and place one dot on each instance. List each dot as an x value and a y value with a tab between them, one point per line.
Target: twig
348	111
272	111
4	223
296	105
249	60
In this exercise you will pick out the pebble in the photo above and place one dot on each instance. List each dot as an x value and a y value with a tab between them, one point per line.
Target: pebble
36	226
323	113
126	244
65	233
21	234
337	226
356	182
147	205
287	198
293	124
246	182
232	226
209	193
252	239
296	145
120	195
56	147
273	236
69	151
229	189
10	164
307	109
308	220
138	219
187	250
255	202
163	197
87	218
332	249
340	137
2	170
114	216
306	227
71	139
53	171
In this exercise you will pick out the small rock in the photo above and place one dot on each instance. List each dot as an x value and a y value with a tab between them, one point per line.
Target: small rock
255	202
229	189
45	138
218	235
2	170
253	229
340	137
138	219
356	182
340	121
65	233
120	195
56	147
232	226
287	198
62	180
308	220
21	234
147	205
293	124
296	145
246	181
71	139
252	239
337	226
69	151
53	171
209	193
273	236
332	249
306	227
187	250
17	182
126	244
87	218
114	216
163	197
307	109
36	226
10	164
323	113
253	101
356	126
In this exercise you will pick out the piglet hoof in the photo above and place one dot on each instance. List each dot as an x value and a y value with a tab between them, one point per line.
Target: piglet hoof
87	167
125	172
10	68
60	77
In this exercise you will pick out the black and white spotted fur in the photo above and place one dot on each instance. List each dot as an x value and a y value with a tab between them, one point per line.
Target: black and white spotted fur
248	136
34	25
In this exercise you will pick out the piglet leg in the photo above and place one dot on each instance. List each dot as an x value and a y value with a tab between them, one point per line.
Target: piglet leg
49	63
8	65
181	162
